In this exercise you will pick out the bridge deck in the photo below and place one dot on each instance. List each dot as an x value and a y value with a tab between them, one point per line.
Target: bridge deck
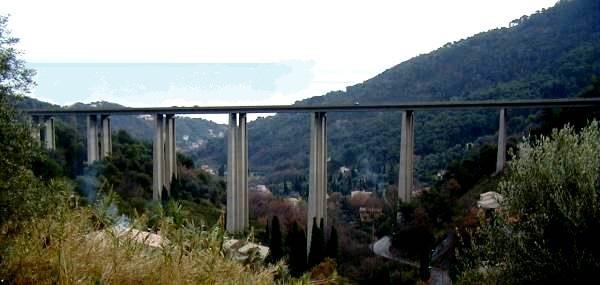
444	105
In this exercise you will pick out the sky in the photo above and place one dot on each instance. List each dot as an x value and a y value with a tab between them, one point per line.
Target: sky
184	53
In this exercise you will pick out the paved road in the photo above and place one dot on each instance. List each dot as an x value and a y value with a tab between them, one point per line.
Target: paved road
382	248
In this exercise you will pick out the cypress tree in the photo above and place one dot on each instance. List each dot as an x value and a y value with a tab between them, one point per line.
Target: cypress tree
286	190
275	242
332	244
296	244
322	228
268	234
317	245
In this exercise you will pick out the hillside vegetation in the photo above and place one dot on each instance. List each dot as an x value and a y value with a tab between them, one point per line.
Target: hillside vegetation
51	235
550	54
192	133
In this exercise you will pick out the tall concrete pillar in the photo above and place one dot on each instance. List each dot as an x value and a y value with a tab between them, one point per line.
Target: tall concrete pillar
243	171
170	164
35	129
49	136
157	158
106	136
92	139
405	175
173	135
164	153
501	158
237	174
317	180
231	177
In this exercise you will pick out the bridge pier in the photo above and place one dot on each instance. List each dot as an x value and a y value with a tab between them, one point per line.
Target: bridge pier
405	175
170	155
237	174
106	136
501	157
35	129
92	138
49	135
317	180
157	158
164	161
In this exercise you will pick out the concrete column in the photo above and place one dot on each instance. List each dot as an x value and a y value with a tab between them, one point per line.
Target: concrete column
169	150
501	158
106	136
157	158
231	174
173	145
317	181
164	153
243	171
237	174
92	139
405	177
35	129
49	138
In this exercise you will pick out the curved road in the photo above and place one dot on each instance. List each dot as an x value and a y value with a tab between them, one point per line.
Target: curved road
382	248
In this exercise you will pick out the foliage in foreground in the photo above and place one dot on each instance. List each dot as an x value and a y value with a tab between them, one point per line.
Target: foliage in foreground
549	226
65	247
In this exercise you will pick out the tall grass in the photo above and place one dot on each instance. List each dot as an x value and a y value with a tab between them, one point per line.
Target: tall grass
78	246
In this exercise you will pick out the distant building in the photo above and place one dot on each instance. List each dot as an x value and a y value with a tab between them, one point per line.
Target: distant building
440	174
145	117
344	170
357	192
292	200
369	214
261	189
207	169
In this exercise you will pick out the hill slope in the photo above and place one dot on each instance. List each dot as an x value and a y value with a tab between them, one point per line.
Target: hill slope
192	133
551	54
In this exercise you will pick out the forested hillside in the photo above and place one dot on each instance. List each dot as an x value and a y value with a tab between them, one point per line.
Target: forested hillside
192	133
551	54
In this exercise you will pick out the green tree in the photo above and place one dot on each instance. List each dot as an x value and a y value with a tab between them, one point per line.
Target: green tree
332	244
317	245
549	227
286	190
17	149
296	244
275	241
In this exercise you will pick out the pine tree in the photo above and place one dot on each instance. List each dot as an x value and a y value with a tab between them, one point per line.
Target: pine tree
275	242
332	244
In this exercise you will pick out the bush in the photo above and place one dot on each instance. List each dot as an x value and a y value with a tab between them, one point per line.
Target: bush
548	228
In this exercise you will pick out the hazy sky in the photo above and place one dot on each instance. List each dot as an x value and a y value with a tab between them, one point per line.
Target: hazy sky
298	49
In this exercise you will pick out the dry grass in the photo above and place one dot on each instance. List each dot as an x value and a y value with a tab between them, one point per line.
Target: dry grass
60	248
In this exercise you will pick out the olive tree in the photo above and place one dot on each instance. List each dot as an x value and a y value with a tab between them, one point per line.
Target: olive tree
548	227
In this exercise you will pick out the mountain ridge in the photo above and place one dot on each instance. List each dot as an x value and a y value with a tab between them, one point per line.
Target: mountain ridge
192	133
550	54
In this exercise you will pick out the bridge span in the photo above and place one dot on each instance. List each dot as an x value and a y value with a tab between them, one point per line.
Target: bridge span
164	157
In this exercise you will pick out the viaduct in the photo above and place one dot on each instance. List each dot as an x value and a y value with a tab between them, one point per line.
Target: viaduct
164	156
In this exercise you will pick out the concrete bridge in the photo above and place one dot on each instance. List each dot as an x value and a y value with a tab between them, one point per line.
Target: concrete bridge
164	156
